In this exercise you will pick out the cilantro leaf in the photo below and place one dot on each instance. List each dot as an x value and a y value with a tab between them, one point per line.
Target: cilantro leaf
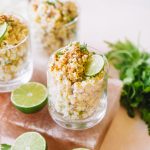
51	2
83	47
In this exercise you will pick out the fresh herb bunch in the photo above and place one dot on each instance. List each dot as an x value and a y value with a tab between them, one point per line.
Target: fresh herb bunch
134	67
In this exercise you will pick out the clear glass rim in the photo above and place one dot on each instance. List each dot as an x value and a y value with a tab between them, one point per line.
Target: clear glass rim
23	20
72	22
76	19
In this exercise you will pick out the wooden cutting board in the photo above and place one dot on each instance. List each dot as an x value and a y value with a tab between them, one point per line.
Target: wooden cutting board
13	122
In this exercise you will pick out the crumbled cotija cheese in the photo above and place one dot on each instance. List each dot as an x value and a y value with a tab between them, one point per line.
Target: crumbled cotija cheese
73	94
13	47
54	23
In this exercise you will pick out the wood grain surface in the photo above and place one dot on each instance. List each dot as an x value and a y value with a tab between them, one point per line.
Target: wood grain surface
126	134
14	123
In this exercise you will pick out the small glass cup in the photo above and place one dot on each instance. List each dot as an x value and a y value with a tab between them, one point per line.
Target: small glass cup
93	93
15	60
50	33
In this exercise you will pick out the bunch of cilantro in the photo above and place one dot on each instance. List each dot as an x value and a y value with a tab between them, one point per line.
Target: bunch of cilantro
134	68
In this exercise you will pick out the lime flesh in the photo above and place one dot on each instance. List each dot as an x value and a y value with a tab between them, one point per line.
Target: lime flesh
3	29
29	97
30	141
94	65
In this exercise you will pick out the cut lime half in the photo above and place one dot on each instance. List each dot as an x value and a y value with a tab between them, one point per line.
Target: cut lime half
3	29
30	141
5	147
29	97
94	65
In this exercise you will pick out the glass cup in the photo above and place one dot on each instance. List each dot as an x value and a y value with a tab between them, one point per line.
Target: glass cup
51	30
90	94
15	58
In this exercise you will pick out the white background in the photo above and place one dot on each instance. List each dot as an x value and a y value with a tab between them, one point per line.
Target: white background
112	20
109	20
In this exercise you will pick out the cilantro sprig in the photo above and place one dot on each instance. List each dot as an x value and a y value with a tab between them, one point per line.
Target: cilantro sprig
134	67
83	47
51	2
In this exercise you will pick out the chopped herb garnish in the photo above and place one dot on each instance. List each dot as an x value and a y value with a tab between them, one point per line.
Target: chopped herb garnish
70	113
74	31
7	62
81	112
70	44
50	2
83	48
59	53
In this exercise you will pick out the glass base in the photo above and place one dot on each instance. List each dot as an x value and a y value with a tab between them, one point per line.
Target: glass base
23	78
81	124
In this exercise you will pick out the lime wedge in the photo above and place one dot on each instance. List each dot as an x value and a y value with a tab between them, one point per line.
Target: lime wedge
81	149
30	141
5	147
29	97
94	65
3	29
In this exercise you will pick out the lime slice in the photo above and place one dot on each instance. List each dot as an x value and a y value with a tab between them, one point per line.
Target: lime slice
5	147
81	149
94	65
29	97
30	141
3	29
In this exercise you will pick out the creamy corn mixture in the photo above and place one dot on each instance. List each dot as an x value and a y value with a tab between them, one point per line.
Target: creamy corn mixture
54	24
72	93
12	53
